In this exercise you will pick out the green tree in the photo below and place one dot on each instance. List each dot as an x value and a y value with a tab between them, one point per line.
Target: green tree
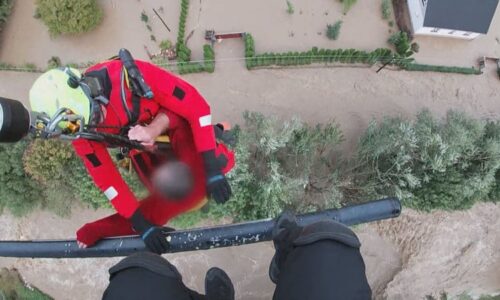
19	193
68	16
61	175
429	163
283	165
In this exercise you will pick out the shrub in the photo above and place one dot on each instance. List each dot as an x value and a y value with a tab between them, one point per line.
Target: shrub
53	63
68	16
61	175
144	17
402	43
19	193
283	165
403	46
347	5
431	164
5	10
289	7
386	9
333	30
165	44
415	47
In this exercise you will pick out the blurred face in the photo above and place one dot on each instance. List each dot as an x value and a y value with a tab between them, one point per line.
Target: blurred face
173	181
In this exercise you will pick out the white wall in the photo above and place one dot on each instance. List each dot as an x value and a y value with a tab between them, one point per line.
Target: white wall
446	33
417	14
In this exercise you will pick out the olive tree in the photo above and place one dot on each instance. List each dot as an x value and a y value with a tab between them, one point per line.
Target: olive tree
68	16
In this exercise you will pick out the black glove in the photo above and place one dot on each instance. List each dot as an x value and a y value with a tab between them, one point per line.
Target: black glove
218	187
155	237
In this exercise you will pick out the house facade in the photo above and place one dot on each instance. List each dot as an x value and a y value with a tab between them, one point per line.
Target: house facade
463	19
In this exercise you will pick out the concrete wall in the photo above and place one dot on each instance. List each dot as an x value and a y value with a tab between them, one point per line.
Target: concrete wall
417	13
447	33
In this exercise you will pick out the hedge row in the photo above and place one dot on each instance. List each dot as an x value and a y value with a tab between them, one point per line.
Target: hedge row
182	27
443	69
315	55
209	58
183	52
184	64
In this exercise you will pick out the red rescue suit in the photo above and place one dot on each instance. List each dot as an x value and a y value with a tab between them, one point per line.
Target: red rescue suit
170	93
156	209
172	96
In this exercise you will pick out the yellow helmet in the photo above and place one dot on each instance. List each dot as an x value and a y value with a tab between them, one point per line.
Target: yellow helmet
51	91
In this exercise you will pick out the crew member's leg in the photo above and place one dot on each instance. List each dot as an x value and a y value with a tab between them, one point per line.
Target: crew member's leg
149	276
321	261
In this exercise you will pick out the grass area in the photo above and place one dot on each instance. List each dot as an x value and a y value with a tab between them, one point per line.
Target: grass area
12	287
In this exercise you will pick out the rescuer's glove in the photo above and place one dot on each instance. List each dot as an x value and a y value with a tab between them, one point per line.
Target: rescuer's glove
155	237
218	187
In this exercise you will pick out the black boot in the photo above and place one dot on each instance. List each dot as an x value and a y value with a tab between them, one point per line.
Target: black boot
218	285
224	135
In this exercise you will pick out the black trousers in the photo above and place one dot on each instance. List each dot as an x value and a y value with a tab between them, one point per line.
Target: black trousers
147	276
323	270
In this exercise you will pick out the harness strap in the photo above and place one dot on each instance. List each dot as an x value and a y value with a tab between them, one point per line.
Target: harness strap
136	108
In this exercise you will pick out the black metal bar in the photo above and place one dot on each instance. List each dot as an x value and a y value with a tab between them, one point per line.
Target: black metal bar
202	238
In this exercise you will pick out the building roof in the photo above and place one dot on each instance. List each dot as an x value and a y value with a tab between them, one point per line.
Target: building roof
465	15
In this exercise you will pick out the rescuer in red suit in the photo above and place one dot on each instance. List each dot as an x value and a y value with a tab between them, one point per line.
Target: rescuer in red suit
156	208
176	107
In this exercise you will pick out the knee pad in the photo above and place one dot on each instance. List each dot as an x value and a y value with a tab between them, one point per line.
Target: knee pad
327	230
147	260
